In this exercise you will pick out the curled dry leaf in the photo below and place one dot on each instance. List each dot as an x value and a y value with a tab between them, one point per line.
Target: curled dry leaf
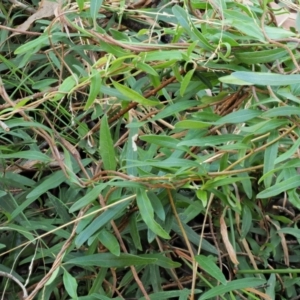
226	241
285	18
46	9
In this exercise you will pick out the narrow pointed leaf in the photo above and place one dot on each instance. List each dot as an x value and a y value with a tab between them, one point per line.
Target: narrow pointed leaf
107	150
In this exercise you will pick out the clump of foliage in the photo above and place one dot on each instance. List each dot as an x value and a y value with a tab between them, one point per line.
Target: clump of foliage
149	150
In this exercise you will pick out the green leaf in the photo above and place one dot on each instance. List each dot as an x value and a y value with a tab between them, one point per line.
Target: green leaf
245	24
267	78
211	140
50	182
30	155
192	124
288	154
240	116
109	241
94	8
108	260
53	276
292	231
278	188
147	214
134	232
160	140
246	221
20	229
258	57
43	84
185	21
70	284
107	150
185	82
269	158
35	44
94	88
146	68
66	87
88	198
281	111
207	264
100	221
180	295
162	260
172	109
230	79
234	285
133	95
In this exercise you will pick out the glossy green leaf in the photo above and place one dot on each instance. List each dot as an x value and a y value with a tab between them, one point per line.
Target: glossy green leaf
147	214
107	150
108	260
207	264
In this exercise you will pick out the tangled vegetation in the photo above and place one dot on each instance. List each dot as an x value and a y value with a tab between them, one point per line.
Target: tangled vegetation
149	149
